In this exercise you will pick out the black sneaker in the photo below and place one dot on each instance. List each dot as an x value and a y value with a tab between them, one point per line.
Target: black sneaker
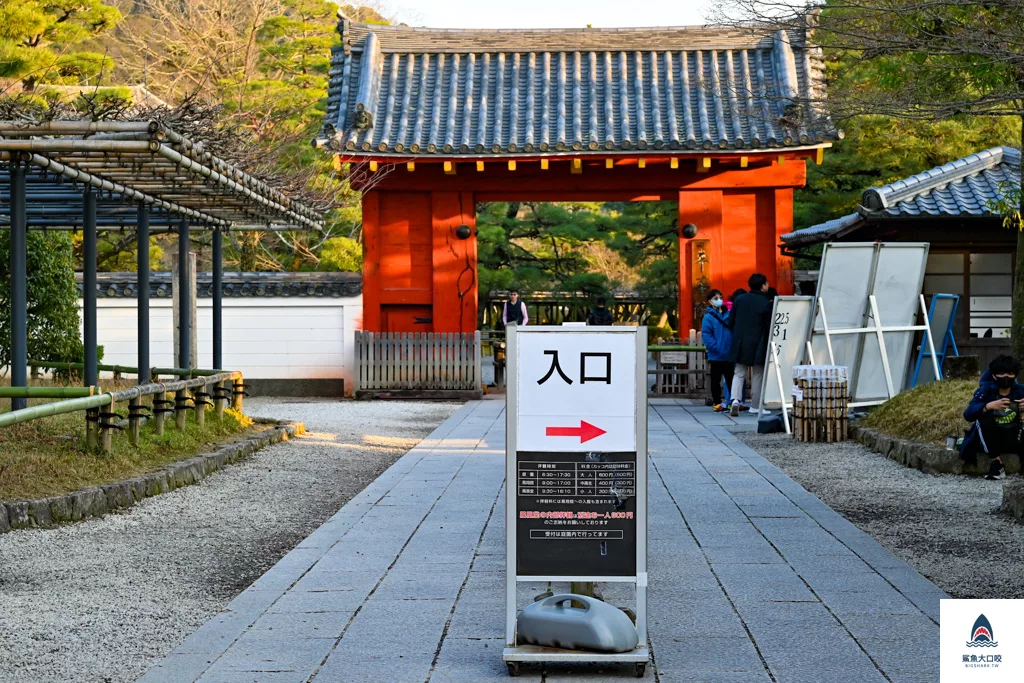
996	471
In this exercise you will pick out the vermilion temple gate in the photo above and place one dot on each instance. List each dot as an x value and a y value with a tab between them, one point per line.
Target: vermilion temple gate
712	118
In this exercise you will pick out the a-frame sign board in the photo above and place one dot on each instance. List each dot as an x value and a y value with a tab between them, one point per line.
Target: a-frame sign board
576	471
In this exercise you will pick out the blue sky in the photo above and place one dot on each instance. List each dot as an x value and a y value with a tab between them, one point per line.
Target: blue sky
547	13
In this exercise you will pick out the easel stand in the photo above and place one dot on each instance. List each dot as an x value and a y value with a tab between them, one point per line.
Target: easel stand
791	323
786	407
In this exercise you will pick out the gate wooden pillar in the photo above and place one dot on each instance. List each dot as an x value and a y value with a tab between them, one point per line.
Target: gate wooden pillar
419	268
783	225
738	232
454	261
702	208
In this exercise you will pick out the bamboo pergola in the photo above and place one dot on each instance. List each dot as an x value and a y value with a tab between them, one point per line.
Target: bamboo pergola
111	175
147	162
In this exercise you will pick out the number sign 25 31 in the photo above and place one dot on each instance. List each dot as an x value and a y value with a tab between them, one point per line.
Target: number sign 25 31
781	318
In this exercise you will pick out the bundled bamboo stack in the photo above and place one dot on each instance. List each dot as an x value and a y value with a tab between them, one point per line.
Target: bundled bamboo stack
821	403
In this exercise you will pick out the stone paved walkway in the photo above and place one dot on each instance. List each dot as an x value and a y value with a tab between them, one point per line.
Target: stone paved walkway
752	578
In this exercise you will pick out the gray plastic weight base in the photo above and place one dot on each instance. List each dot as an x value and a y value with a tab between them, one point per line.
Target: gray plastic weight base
514	657
554	622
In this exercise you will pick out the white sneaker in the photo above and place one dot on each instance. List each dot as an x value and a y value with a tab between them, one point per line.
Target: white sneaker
754	411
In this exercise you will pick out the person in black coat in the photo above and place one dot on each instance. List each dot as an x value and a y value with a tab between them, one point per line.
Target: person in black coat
750	320
995	411
600	315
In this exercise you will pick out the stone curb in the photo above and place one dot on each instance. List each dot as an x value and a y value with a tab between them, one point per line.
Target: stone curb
1013	500
97	501
928	458
939	460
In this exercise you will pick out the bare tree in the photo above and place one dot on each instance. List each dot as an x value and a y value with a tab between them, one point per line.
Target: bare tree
190	46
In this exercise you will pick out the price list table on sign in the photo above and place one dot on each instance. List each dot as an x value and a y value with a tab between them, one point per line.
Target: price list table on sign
577	478
576	468
576	513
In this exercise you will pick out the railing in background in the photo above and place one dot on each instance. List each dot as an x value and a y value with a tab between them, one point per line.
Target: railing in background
393	363
555	308
681	370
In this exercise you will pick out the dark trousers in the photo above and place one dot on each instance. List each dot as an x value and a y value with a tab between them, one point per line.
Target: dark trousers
1000	441
720	369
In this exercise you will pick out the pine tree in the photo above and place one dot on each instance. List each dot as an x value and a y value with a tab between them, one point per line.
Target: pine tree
39	40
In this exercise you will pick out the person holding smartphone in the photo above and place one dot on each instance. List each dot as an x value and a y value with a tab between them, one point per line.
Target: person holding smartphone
995	411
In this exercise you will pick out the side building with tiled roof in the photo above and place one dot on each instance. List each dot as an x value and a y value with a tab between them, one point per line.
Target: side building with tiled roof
720	120
958	209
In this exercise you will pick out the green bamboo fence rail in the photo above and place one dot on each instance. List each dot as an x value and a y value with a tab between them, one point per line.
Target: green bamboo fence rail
49	392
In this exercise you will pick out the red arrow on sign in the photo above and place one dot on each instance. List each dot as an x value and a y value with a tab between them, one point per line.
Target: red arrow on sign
585	431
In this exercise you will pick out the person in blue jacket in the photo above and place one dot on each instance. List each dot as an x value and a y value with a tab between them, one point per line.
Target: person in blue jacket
717	339
995	411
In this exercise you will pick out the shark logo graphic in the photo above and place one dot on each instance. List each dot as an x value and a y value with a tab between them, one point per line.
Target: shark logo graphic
982	634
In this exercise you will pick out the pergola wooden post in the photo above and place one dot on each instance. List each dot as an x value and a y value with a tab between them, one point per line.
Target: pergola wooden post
19	283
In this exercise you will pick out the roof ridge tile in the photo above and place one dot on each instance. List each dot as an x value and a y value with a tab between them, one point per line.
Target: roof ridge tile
878	198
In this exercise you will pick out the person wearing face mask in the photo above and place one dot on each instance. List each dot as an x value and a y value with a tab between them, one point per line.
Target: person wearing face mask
995	411
717	339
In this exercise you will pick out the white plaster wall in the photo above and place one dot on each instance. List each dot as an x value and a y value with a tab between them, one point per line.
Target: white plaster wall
264	337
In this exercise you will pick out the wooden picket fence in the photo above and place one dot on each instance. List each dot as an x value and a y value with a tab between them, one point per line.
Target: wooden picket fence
417	364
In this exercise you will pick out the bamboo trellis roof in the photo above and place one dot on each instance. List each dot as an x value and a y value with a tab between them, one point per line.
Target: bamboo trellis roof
132	162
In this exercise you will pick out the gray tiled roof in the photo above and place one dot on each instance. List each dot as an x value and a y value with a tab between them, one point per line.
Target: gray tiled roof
823	232
972	186
401	90
257	284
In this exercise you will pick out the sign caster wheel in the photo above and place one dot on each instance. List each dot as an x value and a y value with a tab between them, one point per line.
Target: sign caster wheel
513	668
640	670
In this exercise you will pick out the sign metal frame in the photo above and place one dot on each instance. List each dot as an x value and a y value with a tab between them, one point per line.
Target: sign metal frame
948	339
514	653
875	327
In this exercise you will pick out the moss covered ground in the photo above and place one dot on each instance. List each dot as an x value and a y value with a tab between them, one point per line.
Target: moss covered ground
925	414
47	457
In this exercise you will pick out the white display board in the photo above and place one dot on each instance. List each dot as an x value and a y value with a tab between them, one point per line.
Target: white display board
844	283
899	277
791	321
577	388
852	276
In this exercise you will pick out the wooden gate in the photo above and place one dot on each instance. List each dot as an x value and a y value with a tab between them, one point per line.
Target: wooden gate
682	373
423	365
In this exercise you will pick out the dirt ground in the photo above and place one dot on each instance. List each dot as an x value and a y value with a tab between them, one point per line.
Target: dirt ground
946	526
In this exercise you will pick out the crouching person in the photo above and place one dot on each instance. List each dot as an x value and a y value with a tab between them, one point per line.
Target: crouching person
995	414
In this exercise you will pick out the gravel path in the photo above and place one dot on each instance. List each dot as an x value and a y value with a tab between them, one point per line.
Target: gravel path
945	526
102	600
